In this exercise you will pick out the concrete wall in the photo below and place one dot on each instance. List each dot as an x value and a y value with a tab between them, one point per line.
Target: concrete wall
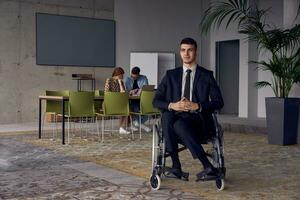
21	80
155	25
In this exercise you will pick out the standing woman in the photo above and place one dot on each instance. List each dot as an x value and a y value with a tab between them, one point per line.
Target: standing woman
116	84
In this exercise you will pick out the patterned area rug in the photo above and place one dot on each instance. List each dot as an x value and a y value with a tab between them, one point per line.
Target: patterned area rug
255	170
29	172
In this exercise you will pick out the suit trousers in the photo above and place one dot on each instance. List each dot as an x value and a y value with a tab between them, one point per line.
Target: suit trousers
187	127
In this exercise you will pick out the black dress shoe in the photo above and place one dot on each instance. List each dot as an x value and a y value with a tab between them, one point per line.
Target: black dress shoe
176	173
207	174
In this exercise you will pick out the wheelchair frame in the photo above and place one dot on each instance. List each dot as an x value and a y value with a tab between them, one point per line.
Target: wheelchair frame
159	155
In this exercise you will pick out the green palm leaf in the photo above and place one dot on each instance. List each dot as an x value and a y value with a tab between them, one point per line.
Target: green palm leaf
283	44
219	11
261	84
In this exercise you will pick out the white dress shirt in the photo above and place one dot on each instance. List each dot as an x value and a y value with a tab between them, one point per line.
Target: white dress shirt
193	68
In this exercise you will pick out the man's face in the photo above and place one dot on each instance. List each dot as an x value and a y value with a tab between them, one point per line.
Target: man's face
134	76
188	53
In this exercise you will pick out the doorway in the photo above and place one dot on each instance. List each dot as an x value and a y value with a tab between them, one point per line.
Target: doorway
227	71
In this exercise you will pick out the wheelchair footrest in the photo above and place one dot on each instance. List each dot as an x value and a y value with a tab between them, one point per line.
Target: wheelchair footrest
207	177
176	173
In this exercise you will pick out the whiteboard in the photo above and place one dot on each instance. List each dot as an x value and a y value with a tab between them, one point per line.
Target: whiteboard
152	64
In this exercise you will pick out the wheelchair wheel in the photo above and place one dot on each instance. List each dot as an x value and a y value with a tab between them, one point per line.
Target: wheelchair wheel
220	183
155	182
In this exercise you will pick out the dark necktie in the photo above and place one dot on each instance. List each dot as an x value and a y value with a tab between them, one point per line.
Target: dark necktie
187	84
135	85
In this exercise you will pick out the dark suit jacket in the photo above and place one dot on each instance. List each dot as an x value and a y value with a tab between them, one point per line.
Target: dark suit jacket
205	92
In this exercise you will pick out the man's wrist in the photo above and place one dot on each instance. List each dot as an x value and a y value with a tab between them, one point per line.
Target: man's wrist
199	107
195	107
169	106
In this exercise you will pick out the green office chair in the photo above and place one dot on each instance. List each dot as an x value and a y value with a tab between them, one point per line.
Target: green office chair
115	104
99	92
146	107
98	103
81	105
54	107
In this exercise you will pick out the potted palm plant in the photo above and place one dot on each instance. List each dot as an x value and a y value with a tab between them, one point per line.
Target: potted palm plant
282	112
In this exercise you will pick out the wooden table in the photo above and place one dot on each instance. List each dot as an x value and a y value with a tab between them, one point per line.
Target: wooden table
63	99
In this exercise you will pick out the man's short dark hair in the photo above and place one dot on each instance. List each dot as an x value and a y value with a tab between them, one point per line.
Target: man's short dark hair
189	41
135	70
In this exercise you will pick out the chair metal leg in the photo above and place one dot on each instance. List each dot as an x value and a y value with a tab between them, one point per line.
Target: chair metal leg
131	127
86	127
140	119
68	130
74	128
102	127
56	126
43	123
126	124
97	125
53	128
92	124
111	126
80	122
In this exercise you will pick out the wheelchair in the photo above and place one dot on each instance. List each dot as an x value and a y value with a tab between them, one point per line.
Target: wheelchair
215	155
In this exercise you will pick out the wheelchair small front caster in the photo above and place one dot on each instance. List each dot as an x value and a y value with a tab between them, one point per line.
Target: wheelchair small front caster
155	182
220	183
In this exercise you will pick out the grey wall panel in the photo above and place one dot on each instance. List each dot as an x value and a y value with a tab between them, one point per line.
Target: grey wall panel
143	25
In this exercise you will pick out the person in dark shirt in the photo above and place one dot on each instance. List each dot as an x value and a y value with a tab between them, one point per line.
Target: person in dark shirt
134	84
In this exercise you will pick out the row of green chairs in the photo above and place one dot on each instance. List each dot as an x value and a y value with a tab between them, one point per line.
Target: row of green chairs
116	104
98	104
54	107
82	105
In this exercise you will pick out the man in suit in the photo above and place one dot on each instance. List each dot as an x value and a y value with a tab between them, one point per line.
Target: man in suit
187	96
